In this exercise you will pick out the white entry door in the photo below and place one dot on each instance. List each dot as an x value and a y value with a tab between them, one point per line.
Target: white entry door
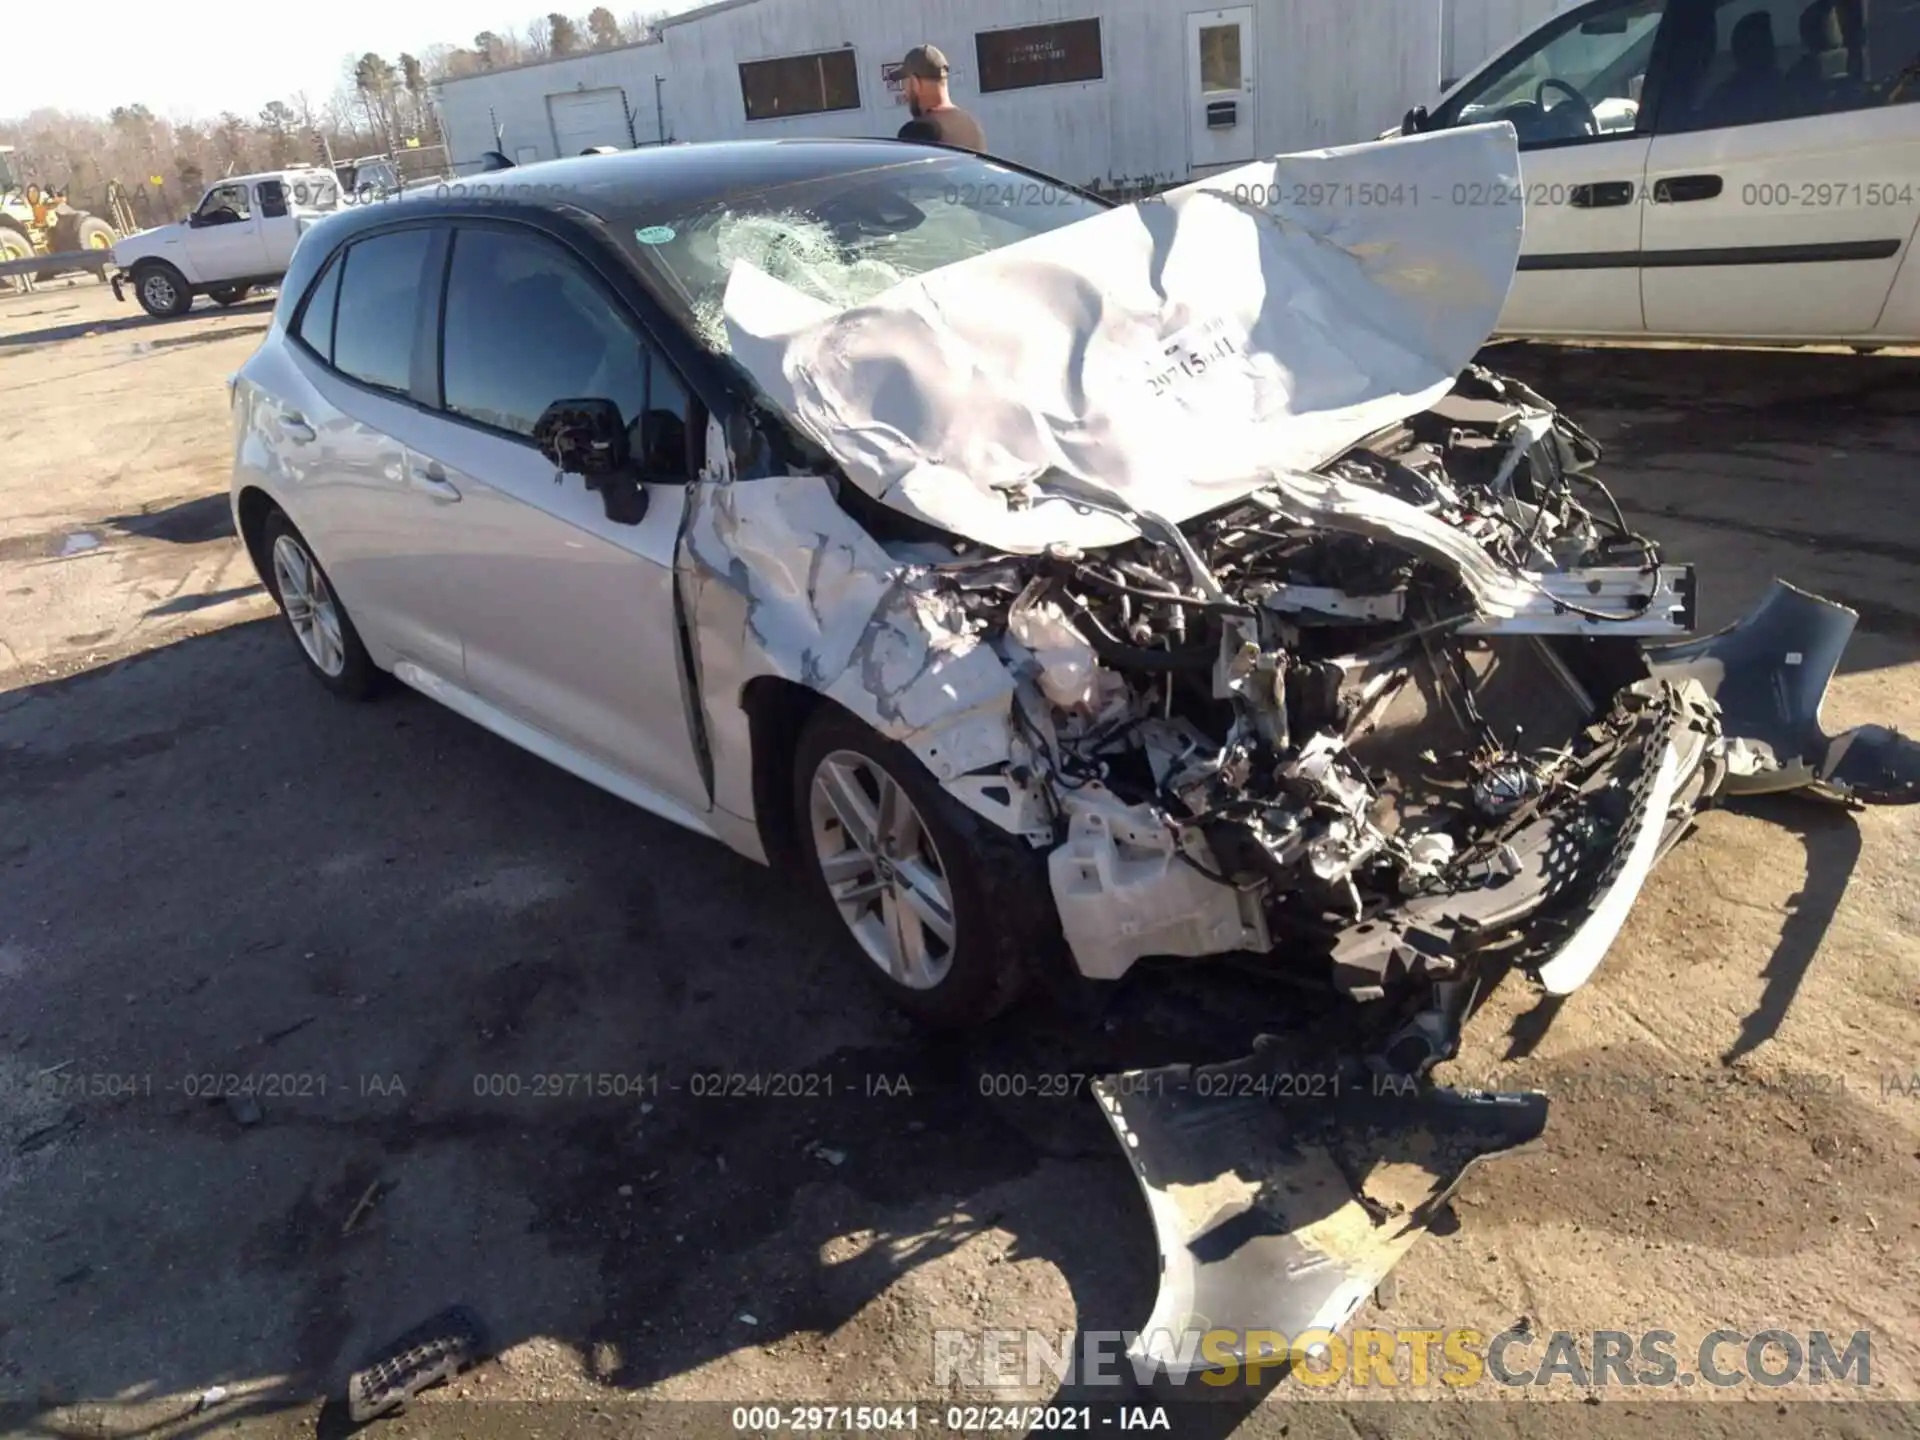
1220	87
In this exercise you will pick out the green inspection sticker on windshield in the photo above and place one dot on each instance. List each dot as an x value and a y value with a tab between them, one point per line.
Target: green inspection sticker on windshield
654	234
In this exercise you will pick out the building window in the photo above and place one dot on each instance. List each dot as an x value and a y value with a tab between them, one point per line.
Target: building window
1030	55
800	85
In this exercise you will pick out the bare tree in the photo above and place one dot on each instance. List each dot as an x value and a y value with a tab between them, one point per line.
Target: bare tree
278	127
603	28
639	26
536	41
373	79
491	48
413	80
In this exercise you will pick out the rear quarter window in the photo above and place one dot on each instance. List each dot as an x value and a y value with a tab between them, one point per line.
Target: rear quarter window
315	326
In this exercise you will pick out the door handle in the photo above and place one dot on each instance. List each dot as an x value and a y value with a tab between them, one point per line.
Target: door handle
1679	188
432	478
1601	194
295	427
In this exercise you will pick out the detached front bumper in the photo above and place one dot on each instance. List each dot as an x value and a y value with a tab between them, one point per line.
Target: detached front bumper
1282	1194
1769	675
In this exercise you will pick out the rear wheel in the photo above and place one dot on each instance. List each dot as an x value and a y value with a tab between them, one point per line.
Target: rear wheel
161	290
228	294
328	642
948	915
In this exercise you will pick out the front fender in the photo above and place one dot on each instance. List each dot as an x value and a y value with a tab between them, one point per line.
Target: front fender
776	579
168	243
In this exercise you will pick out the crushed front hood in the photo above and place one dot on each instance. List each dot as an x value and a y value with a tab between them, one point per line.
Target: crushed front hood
1165	357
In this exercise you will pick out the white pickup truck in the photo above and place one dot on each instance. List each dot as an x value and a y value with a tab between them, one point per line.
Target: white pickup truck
241	235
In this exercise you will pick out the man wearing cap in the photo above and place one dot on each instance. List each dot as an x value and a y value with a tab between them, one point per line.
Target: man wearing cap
923	77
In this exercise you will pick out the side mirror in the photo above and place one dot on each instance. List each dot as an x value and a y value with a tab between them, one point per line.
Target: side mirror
1414	121
588	438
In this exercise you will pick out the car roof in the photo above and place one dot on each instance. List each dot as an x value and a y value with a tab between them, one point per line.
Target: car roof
677	175
268	175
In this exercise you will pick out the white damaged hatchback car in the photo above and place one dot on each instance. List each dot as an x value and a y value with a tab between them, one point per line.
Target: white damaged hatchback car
1049	582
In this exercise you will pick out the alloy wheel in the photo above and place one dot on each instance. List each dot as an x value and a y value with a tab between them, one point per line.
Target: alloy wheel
882	869
310	606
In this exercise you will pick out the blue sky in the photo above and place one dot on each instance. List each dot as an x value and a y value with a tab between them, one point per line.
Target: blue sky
238	54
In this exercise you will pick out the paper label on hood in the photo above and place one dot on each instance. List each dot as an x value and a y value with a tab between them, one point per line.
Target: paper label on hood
1208	355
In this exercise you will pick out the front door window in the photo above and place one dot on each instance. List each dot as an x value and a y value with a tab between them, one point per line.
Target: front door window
226	205
1578	79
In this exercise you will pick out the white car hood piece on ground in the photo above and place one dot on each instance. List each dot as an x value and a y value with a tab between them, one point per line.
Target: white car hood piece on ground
1166	357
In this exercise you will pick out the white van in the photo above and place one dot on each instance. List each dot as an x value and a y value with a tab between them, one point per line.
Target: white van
1723	170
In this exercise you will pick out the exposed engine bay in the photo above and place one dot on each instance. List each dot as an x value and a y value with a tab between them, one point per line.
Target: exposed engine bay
1300	727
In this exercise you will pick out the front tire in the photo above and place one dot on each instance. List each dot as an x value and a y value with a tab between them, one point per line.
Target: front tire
228	294
948	916
314	615
161	290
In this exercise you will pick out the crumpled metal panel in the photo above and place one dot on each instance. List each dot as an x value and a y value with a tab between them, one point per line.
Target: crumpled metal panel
1283	1193
777	579
1166	355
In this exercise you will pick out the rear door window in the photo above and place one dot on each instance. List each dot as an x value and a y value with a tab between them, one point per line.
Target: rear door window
1765	60
374	323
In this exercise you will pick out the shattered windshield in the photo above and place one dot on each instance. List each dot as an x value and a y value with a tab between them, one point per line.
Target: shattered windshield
845	238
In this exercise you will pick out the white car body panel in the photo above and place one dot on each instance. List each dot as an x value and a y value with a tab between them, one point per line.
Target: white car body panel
1168	355
1579	301
568	617
1842	179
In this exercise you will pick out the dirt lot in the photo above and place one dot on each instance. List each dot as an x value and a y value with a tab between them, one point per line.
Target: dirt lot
208	867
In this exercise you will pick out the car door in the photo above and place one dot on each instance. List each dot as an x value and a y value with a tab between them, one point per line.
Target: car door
1573	91
1785	169
278	229
357	344
225	241
567	615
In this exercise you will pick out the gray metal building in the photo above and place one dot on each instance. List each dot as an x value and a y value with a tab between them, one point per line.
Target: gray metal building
1105	93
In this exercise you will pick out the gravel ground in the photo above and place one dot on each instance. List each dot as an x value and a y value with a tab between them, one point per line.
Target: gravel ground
397	923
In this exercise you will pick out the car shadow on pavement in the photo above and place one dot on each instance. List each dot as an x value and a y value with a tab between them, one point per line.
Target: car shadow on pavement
321	1017
140	320
203	337
1756	464
1831	837
185	522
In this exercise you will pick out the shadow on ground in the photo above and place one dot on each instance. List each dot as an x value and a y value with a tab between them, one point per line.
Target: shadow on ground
185	522
1759	463
138	320
520	1038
